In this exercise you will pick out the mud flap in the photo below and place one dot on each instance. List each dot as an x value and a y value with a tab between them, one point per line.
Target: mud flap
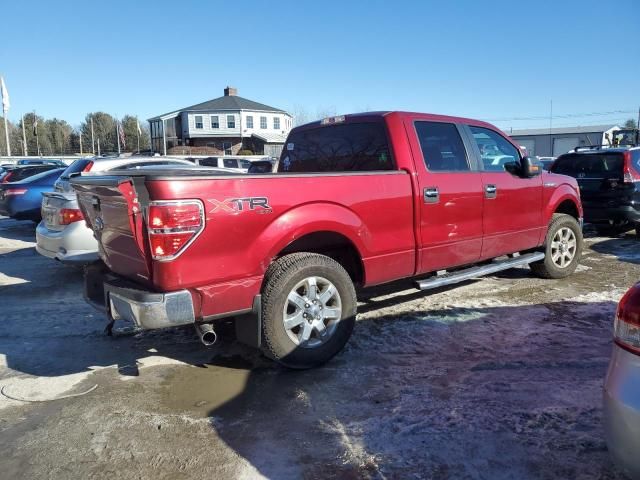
249	326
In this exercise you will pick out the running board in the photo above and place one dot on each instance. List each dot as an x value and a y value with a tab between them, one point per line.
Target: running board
479	271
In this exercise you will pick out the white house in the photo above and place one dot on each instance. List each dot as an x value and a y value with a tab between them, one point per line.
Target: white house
224	125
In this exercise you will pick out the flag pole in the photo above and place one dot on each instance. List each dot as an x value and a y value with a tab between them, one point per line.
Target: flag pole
24	139
80	142
5	109
6	133
35	132
118	135
93	142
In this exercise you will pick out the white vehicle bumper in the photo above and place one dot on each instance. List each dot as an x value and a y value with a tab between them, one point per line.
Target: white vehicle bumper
74	244
622	410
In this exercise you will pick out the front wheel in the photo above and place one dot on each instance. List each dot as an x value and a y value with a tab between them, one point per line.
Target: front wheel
308	310
563	248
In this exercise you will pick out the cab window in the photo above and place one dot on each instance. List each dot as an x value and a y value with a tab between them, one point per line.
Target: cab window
442	147
495	150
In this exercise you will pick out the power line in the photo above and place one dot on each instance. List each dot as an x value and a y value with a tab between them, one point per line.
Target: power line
564	115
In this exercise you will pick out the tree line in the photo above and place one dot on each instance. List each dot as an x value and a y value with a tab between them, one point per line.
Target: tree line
57	137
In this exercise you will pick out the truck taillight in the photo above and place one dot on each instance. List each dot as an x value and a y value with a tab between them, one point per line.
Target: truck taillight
70	215
87	167
172	226
630	174
626	328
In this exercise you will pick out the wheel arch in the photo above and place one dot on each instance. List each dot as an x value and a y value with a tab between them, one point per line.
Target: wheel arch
324	228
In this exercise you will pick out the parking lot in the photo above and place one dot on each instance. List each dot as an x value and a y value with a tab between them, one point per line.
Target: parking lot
497	378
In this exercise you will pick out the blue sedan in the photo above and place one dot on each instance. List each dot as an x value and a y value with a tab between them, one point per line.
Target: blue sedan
22	200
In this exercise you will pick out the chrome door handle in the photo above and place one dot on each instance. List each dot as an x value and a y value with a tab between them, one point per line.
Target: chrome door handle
490	191
431	195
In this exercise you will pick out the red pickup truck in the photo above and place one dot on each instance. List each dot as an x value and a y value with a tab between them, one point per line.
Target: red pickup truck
355	201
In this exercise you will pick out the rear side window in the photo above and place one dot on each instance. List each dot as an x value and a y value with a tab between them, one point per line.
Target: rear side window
599	165
442	147
76	167
349	147
495	150
230	163
209	162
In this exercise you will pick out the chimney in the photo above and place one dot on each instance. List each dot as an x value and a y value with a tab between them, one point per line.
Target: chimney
230	92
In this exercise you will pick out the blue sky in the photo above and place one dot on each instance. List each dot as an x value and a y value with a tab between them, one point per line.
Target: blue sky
488	60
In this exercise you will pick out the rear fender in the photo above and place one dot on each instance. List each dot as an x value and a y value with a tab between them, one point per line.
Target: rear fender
306	219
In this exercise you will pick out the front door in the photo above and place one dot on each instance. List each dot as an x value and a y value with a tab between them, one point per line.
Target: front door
450	231
512	213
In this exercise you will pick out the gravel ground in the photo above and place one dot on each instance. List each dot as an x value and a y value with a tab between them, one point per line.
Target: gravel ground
498	378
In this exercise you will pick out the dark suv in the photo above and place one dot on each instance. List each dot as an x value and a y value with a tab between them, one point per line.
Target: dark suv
609	180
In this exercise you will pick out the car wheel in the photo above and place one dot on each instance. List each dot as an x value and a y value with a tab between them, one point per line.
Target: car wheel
308	310
563	248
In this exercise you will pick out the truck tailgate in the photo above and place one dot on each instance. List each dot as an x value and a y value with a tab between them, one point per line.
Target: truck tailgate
111	206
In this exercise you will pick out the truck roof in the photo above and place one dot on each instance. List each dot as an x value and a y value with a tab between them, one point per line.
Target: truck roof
379	115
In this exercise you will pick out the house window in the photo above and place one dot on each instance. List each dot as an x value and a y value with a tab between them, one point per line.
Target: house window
199	121
263	122
215	122
231	121
249	121
276	123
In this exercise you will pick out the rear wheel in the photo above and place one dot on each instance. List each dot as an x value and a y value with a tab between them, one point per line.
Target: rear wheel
308	310
563	248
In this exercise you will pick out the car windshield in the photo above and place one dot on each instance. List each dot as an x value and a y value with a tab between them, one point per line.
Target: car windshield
53	174
600	165
76	167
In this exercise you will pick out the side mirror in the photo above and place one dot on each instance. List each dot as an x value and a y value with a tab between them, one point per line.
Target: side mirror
260	166
530	167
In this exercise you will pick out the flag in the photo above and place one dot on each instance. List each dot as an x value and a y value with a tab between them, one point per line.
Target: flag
5	96
139	129
35	124
121	135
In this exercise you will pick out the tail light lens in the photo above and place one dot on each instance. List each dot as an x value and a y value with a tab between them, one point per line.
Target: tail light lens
70	215
630	174
87	168
172	226
7	177
15	191
626	329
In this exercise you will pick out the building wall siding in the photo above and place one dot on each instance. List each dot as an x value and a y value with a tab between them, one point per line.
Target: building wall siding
544	143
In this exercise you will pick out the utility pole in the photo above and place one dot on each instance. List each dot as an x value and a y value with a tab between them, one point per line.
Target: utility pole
93	142
24	139
80	142
98	146
550	127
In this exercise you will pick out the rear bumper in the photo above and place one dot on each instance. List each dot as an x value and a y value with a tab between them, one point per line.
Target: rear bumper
74	244
123	300
605	214
622	410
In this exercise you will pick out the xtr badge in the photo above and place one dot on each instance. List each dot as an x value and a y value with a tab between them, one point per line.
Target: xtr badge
237	205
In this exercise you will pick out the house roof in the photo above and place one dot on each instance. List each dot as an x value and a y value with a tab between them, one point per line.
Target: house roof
270	137
561	130
227	102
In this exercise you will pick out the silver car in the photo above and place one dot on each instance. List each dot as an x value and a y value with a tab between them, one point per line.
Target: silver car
62	233
622	387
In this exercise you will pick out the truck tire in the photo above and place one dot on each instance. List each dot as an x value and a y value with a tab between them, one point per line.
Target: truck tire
563	248
308	310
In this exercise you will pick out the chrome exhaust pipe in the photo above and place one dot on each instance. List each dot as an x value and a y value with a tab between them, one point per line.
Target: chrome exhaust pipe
206	333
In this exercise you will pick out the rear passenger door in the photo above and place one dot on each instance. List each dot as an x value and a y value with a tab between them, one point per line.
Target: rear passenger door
450	231
512	213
